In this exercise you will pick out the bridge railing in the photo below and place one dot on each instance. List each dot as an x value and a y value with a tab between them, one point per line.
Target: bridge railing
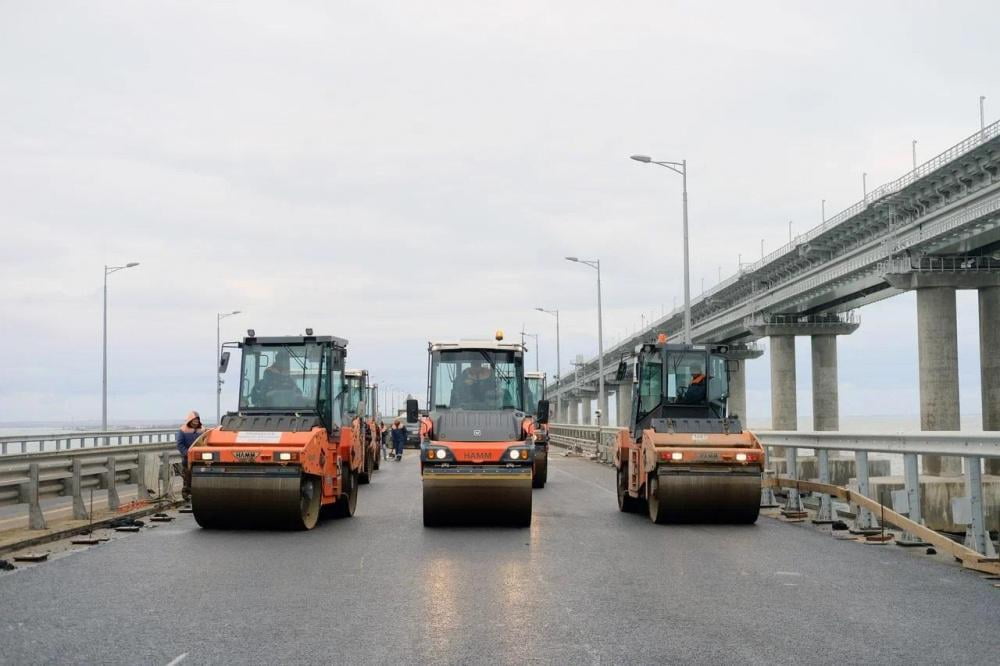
65	441
31	477
599	442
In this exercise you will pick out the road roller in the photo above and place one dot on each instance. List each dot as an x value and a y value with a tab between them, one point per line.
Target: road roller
684	458
361	405
290	453
534	386
477	445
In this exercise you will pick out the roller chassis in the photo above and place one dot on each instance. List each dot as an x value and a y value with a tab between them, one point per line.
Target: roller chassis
707	484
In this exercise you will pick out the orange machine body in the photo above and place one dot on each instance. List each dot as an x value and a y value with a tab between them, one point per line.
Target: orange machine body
684	452
313	451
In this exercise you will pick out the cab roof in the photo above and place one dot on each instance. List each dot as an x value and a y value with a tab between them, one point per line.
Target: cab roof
355	373
295	340
443	345
534	375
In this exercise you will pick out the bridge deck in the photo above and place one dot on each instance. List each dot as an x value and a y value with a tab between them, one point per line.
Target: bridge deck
585	584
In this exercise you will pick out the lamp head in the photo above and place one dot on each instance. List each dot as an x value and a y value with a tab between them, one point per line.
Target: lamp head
642	158
572	259
131	264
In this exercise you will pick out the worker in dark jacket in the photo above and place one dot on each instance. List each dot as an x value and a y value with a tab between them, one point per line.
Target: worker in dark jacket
186	436
398	438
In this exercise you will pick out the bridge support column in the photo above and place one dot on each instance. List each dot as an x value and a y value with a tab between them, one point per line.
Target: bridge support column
784	411
586	413
937	345
825	394
623	398
572	410
738	377
989	360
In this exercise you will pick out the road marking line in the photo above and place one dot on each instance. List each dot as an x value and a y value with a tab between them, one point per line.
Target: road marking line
787	573
178	659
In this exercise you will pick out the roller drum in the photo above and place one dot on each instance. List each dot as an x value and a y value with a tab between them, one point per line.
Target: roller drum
476	497
265	496
705	497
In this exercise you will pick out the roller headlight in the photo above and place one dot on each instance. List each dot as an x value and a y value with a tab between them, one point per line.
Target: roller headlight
440	454
677	455
515	454
208	456
741	457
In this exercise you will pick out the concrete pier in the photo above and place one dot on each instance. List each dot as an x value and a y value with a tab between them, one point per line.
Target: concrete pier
741	353
623	398
989	359
586	411
825	397
784	410
937	345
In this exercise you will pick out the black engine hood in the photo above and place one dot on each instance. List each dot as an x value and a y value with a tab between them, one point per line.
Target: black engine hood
477	426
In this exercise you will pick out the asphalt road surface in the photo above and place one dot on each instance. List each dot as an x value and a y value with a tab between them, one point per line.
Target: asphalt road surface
584	584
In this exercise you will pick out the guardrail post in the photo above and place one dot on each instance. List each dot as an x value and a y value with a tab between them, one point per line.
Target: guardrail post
976	536
767	498
167	490
911	485
864	521
793	503
824	515
111	481
76	489
29	496
140	476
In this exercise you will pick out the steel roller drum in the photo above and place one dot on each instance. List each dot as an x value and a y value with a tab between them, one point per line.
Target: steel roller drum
269	496
722	496
477	495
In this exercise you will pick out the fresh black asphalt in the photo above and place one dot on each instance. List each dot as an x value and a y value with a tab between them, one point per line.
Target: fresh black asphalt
584	584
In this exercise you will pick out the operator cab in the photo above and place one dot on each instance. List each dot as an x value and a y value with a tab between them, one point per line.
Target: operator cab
357	388
684	383
534	390
297	376
476	377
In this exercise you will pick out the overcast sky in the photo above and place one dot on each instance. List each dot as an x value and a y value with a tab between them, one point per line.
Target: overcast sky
393	172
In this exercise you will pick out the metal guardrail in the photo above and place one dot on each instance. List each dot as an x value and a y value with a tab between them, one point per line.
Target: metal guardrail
972	447
26	479
960	264
28	444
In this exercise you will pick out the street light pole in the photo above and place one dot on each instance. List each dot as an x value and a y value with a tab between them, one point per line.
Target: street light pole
558	357
982	117
601	397
680	168
219	316
108	270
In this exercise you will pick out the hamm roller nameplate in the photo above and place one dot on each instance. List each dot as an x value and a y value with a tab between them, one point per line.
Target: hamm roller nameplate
263	437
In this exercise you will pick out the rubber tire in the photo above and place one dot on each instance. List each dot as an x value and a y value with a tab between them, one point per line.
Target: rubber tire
310	508
539	479
655	514
627	503
347	503
378	459
365	476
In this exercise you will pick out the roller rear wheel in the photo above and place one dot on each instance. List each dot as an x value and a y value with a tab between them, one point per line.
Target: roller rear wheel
365	476
541	475
627	503
347	503
657	512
